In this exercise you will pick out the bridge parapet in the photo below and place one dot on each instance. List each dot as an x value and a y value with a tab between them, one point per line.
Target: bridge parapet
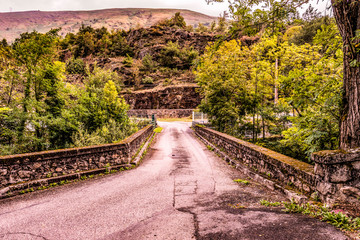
335	178
338	176
288	171
23	168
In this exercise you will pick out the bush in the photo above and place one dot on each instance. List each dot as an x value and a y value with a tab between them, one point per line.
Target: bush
167	82
120	46
148	80
76	66
176	21
128	61
148	64
172	56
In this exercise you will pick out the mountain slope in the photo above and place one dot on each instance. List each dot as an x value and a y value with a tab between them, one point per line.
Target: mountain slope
13	24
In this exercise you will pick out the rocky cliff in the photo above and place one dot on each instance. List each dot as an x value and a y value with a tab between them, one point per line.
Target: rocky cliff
177	97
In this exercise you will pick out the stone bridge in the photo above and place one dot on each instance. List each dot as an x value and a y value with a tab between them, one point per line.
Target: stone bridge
181	190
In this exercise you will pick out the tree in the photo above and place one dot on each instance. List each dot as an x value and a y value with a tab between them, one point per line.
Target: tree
178	20
347	15
224	75
32	52
312	87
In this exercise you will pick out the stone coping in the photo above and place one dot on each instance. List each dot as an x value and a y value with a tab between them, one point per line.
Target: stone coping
330	157
60	153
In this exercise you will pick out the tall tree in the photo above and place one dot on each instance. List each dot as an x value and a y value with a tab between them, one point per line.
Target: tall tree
347	15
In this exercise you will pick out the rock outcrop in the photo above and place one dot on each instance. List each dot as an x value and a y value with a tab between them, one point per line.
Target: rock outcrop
177	97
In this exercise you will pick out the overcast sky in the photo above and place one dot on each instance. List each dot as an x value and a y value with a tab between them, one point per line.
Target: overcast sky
56	5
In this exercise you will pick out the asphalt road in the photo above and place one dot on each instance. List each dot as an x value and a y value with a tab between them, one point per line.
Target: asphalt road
181	191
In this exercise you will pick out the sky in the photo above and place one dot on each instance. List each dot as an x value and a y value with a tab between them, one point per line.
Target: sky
57	5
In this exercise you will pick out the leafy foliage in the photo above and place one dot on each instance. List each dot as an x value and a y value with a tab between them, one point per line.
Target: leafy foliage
172	56
238	83
224	75
76	66
39	111
89	41
176	21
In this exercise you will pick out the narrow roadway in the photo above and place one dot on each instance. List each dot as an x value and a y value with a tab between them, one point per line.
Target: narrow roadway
181	191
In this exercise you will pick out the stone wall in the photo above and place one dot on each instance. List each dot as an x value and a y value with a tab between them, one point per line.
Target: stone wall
271	164
335	177
179	97
161	113
338	176
33	166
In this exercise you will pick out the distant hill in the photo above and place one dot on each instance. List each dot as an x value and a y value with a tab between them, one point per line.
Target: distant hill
15	23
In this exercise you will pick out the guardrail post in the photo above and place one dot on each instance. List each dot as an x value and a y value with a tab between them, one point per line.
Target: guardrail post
153	120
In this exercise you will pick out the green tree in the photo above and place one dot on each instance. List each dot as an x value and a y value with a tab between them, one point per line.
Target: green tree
347	18
224	74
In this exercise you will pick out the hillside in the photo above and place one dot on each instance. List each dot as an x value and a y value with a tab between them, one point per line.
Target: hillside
13	24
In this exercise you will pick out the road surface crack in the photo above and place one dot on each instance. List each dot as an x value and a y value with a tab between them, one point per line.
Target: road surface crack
23	233
195	220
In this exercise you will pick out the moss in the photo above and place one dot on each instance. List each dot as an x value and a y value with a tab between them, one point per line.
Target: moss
330	152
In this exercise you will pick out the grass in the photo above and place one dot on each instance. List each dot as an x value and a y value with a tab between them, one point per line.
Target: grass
246	182
210	148
151	141
270	204
158	130
337	218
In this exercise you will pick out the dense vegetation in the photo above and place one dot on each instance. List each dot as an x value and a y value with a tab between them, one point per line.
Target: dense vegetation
281	77
40	111
66	92
289	83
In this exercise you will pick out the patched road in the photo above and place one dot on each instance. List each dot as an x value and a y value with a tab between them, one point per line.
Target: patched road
181	191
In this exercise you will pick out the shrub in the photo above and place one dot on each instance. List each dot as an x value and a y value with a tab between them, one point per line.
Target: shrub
172	56
148	64
167	82
148	80
176	21
76	66
128	61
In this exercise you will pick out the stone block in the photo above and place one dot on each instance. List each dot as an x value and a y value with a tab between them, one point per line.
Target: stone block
356	165
306	188
37	165
350	192
13	180
324	188
24	174
3	171
339	173
319	170
4	191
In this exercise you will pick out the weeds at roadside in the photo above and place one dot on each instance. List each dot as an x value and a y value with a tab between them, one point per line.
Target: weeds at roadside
336	218
210	148
236	206
158	130
270	204
246	182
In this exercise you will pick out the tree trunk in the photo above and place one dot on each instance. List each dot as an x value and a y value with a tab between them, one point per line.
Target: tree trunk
276	97
347	17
